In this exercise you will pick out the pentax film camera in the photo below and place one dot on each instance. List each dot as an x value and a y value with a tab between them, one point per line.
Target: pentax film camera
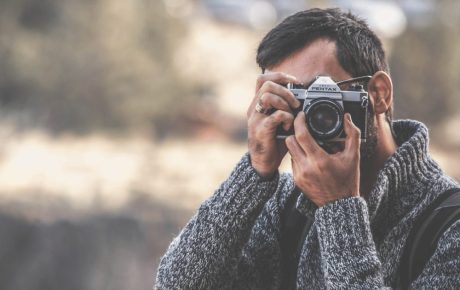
325	104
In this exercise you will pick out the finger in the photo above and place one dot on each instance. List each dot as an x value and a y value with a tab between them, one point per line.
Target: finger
278	118
277	77
281	91
295	167
353	139
294	148
269	100
303	136
274	77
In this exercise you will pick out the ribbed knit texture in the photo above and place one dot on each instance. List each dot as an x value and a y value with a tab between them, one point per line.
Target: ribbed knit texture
233	240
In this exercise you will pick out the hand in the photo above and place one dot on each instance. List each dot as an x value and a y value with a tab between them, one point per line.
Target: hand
265	150
324	177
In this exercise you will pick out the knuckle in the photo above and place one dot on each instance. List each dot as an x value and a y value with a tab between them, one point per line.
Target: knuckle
265	98
277	102
264	87
356	132
260	79
300	134
276	117
287	116
290	141
269	85
280	103
284	116
311	147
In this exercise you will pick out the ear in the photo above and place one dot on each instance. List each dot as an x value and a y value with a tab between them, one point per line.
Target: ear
380	90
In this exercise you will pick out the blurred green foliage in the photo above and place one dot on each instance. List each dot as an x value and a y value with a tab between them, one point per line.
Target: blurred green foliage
83	66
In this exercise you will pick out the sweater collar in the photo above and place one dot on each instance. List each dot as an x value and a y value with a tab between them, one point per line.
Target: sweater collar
403	173
408	169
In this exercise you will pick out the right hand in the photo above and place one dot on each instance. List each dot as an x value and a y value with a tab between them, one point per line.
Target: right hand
265	150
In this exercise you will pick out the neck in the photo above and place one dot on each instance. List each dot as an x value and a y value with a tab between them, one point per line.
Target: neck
386	146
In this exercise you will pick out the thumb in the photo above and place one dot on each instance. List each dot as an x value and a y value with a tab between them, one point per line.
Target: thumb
353	139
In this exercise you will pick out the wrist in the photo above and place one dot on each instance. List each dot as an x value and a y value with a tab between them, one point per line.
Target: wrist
264	172
320	202
266	176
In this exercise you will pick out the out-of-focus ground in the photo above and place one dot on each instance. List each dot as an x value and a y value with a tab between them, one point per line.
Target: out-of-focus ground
119	118
98	213
106	174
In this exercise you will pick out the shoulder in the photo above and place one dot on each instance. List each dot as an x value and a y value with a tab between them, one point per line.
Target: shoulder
439	185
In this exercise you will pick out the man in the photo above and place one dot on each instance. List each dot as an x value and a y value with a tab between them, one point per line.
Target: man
364	197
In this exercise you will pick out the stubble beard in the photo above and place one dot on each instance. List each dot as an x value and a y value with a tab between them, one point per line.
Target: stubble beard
369	148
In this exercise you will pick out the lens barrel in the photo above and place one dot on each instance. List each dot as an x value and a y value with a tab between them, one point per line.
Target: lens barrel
324	118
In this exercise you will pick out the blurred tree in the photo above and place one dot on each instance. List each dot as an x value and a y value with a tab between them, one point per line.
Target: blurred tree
425	67
80	66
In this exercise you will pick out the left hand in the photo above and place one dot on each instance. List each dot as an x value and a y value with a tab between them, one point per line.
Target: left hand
324	177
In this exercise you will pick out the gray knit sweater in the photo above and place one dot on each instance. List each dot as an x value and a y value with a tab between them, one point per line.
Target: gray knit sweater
232	242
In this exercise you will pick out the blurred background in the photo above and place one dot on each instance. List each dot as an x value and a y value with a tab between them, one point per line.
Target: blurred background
118	118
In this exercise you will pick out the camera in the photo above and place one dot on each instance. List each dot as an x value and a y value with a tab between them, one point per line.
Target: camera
325	104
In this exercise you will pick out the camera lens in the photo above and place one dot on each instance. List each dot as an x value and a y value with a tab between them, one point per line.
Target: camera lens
324	119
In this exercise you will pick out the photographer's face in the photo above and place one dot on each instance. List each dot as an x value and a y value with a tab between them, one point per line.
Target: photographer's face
319	58
316	58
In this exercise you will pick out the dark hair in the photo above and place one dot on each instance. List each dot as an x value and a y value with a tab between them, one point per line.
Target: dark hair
359	50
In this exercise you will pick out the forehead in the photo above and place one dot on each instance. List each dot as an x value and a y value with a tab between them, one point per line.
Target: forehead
316	58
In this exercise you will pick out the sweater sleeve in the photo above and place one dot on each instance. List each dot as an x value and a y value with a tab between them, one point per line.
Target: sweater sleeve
349	258
206	253
348	254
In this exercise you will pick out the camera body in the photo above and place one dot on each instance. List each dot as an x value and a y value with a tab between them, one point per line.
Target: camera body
325	104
